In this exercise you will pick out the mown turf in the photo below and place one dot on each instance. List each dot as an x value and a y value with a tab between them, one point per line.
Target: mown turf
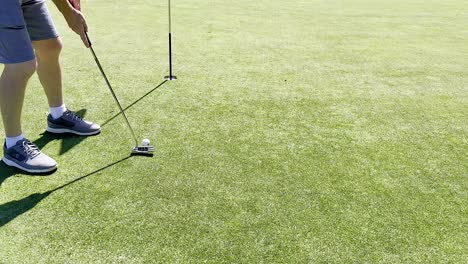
299	132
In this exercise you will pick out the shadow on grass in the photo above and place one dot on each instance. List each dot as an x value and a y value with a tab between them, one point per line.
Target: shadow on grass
13	209
132	104
6	172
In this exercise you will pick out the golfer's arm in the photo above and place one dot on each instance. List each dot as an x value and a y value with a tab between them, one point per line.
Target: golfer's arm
63	6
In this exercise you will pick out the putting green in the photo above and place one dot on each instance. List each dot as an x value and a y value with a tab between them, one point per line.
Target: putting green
298	132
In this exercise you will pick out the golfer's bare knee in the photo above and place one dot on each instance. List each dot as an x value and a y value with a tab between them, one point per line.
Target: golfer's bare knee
48	49
23	70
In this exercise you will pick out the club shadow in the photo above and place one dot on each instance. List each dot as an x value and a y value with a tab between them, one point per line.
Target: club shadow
11	210
134	103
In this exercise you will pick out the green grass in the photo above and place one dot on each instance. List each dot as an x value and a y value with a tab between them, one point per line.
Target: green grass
299	132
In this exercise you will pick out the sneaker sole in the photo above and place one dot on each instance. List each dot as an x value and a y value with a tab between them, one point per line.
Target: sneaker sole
65	130
16	165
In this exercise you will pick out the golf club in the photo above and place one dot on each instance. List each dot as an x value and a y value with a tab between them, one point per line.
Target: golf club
145	149
170	77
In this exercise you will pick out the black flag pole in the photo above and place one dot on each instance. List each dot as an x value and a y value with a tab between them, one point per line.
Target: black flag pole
170	77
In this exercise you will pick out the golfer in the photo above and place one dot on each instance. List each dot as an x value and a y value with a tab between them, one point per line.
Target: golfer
29	43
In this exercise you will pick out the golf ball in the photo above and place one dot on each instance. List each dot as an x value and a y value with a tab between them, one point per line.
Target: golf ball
145	142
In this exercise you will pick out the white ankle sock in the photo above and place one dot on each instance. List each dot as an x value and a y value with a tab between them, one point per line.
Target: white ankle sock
57	112
11	141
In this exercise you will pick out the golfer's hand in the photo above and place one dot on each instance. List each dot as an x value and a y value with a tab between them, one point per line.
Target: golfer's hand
77	23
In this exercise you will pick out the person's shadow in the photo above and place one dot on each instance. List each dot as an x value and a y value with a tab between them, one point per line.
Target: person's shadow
8	210
11	210
6	172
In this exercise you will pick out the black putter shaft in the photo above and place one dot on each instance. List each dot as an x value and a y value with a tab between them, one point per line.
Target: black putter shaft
110	88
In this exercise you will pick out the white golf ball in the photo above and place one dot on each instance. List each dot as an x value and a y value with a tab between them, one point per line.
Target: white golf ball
145	142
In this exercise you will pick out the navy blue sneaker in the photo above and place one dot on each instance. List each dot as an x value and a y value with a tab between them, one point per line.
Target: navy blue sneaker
69	122
26	156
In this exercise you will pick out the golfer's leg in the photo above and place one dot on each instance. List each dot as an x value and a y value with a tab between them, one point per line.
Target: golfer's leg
47	46
12	88
17	54
23	154
48	69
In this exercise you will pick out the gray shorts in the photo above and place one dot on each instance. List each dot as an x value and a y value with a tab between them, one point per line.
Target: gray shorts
23	21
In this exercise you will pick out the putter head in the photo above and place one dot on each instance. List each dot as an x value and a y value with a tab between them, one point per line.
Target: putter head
143	150
170	78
